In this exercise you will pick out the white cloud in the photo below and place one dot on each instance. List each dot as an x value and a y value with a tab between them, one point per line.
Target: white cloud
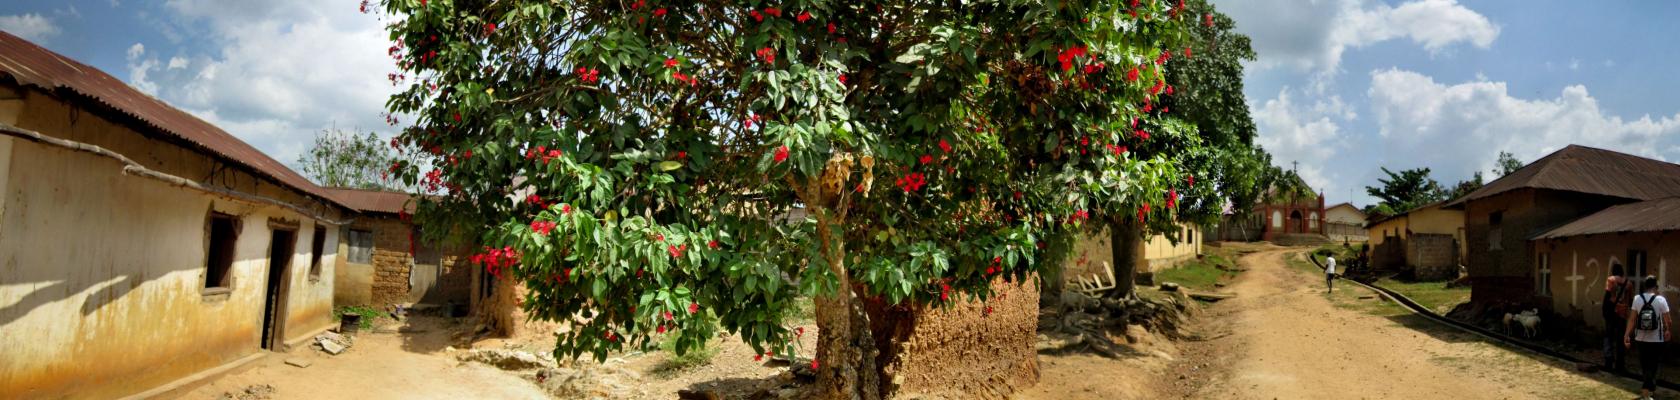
275	73
31	27
1306	132
1313	34
1457	129
140	68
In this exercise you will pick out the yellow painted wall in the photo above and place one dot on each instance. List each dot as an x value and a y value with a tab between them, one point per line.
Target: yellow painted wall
101	273
1579	266
1091	253
1431	219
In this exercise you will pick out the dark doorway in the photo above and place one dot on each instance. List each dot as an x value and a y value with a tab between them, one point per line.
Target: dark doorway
274	308
1296	223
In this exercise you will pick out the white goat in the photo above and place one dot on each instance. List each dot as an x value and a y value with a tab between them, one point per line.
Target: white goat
1529	319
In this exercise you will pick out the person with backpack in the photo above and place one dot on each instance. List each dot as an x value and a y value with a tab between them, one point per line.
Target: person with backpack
1649	327
1618	296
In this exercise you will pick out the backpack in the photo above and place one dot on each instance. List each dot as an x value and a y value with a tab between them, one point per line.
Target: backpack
1648	319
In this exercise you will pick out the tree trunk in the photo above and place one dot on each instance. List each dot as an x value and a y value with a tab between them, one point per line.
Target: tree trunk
846	349
1051	285
1126	242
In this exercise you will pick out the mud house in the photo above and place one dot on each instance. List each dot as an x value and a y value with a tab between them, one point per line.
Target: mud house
1561	187
141	246
386	262
1572	261
1345	222
1427	241
1093	254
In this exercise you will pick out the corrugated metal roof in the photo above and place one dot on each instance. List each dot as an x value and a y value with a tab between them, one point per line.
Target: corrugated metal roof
33	65
1589	170
1645	216
373	200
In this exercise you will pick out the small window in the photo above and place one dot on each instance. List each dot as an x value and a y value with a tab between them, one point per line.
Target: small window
1543	275
316	246
1312	220
1636	264
361	246
1495	233
218	261
1277	219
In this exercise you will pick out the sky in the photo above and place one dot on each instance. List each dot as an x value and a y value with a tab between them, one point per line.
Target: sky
1341	87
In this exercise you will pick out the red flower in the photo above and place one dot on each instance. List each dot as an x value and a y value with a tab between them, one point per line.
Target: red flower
912	182
542	227
533	199
758	357
767	54
661	328
800	331
803	16
842	79
1186	52
659	12
926	159
1172	198
565	208
831	28
1209	20
1132	76
814	363
638	4
1169	90
781	154
677	251
773	11
1192	179
693	308
944	292
457	117
756	16
712	244
1142	134
944	145
588	75
670	63
489	28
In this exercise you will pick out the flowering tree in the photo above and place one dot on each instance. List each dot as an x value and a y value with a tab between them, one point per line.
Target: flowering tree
655	168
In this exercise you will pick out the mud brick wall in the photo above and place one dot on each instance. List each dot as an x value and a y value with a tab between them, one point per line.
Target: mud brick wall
1431	256
963	352
391	260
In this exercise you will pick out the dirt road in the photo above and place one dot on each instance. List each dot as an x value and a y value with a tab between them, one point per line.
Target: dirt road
1284	337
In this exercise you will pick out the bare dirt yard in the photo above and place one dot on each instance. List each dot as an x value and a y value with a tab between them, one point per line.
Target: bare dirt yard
1284	337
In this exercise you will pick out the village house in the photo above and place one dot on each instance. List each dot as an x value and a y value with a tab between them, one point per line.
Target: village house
1278	216
1344	222
1561	187
385	262
140	246
1093	254
1426	242
1572	261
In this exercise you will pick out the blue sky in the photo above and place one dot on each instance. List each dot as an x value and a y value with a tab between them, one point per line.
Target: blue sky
1342	86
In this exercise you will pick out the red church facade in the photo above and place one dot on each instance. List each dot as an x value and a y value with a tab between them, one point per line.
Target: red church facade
1303	215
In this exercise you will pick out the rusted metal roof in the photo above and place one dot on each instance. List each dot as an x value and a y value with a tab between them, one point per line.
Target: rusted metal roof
1645	216
33	65
373	200
1589	170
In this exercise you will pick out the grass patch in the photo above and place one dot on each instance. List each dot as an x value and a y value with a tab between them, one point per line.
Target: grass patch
1202	274
369	315
1435	296
804	311
695	357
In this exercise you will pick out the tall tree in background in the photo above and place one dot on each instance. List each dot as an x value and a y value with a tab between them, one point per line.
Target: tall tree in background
1507	163
1403	191
664	168
1464	187
341	158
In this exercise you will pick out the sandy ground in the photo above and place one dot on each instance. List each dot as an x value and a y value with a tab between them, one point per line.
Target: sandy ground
1283	337
378	366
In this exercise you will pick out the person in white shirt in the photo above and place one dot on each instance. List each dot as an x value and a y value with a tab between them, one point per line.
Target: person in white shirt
1330	274
1649	327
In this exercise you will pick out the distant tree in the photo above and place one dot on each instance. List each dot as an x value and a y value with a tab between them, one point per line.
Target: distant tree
1507	164
1464	187
341	158
1407	189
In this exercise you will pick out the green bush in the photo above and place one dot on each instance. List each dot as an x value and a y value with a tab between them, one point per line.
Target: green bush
694	356
369	314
